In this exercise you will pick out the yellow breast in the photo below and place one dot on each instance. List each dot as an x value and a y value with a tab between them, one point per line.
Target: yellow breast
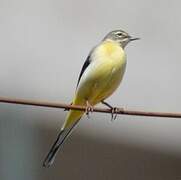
110	51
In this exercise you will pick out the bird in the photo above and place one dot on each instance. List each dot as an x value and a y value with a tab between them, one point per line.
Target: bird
100	76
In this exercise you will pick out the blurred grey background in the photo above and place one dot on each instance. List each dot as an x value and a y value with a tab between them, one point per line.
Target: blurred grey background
43	44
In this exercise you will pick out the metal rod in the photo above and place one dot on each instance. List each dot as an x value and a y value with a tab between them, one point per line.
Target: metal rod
83	108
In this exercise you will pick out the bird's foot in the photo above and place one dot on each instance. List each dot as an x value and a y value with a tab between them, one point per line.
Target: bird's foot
88	109
114	110
68	109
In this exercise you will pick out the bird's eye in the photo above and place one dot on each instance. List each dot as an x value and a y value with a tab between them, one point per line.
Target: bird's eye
119	34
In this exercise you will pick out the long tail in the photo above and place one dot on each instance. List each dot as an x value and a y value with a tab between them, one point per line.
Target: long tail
57	145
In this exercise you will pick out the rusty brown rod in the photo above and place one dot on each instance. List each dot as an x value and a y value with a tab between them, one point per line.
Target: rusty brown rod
83	108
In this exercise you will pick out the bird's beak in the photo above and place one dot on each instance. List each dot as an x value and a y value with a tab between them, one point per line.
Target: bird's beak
133	39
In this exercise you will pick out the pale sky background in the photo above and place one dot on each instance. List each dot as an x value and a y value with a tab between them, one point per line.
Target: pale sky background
43	45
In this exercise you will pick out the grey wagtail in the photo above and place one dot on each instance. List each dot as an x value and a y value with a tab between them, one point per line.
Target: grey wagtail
100	76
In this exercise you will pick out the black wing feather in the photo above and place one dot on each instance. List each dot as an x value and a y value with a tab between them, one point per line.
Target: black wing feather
84	67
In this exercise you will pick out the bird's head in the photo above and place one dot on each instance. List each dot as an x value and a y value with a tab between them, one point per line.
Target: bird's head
120	36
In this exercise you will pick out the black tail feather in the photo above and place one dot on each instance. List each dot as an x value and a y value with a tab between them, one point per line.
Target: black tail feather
56	145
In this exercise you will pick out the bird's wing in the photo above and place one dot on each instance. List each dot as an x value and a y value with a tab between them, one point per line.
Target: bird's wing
85	65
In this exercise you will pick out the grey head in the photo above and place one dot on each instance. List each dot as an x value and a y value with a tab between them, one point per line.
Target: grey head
120	36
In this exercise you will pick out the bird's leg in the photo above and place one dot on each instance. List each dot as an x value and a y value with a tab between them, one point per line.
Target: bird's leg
114	110
88	109
107	104
68	109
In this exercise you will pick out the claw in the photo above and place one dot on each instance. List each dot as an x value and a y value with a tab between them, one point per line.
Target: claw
114	110
88	109
114	114
68	109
